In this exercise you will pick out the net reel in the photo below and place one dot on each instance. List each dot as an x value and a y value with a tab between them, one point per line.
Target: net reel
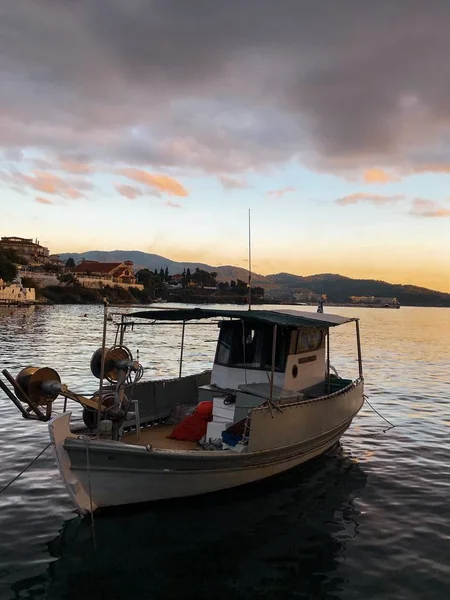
118	369
41	385
117	359
116	411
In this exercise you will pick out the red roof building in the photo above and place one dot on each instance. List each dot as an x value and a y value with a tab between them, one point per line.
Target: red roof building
118	272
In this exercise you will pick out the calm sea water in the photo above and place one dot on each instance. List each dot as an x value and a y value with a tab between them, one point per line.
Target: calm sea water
370	520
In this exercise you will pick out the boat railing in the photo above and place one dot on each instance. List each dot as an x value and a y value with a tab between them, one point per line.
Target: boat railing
269	406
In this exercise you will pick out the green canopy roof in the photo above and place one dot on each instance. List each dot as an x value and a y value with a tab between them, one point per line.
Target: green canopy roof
287	317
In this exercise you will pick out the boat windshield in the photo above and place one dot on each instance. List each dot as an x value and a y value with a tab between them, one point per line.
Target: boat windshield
250	346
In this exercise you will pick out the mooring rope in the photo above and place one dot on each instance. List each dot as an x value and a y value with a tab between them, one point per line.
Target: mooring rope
379	414
27	467
88	466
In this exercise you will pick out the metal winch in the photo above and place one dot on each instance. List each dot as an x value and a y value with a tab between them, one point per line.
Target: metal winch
38	387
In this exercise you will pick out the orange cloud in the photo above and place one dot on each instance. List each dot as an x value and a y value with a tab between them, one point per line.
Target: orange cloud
372	198
173	204
429	208
47	183
42	200
280	193
128	191
379	176
163	183
44	182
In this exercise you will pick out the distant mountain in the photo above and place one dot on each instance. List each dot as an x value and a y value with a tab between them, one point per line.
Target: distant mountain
282	285
141	260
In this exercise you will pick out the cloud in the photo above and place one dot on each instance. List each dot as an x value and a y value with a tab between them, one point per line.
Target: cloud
281	192
128	191
48	183
74	165
371	198
233	183
162	183
368	88
171	204
429	208
42	200
379	176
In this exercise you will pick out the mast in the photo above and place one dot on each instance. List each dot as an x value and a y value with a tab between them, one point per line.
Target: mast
249	264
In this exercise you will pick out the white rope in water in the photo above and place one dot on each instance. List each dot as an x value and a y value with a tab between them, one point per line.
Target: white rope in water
27	467
379	414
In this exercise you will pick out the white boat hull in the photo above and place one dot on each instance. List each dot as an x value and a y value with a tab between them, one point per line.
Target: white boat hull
103	473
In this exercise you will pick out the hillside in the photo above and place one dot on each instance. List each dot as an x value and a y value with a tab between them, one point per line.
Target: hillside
143	260
281	285
339	289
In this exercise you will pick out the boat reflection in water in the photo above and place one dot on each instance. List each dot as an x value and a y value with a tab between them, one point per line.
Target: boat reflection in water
282	537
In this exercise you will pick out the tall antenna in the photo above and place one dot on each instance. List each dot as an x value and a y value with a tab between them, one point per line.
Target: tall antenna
249	264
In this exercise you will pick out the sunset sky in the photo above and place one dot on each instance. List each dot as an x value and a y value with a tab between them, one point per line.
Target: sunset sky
155	126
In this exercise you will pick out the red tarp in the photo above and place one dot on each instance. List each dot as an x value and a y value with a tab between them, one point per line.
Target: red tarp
193	427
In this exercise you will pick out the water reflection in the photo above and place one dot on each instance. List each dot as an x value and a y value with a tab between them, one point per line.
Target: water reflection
285	537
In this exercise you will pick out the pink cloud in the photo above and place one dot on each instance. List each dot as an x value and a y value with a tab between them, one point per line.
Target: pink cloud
429	208
233	183
281	192
42	200
72	165
171	204
371	198
163	183
128	191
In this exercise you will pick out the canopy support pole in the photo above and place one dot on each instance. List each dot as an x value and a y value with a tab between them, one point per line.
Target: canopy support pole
274	349
102	367
182	348
122	330
358	342
328	361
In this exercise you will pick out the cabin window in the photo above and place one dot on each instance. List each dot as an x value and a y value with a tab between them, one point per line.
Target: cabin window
250	346
293	344
224	344
309	340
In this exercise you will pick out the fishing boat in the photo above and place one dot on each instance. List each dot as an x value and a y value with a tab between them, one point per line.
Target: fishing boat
270	402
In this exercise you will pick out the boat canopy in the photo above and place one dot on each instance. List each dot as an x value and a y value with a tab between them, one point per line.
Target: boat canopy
289	318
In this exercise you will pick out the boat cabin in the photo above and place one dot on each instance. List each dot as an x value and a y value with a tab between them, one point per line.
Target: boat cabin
245	354
276	356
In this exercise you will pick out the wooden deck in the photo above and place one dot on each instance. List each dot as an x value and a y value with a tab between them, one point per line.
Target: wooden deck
156	436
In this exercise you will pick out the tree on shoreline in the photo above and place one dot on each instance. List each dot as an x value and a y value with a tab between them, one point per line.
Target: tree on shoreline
8	261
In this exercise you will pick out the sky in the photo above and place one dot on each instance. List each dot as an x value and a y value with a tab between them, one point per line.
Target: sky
156	125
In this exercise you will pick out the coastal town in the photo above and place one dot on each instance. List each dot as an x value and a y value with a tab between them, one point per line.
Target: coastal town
32	274
39	276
